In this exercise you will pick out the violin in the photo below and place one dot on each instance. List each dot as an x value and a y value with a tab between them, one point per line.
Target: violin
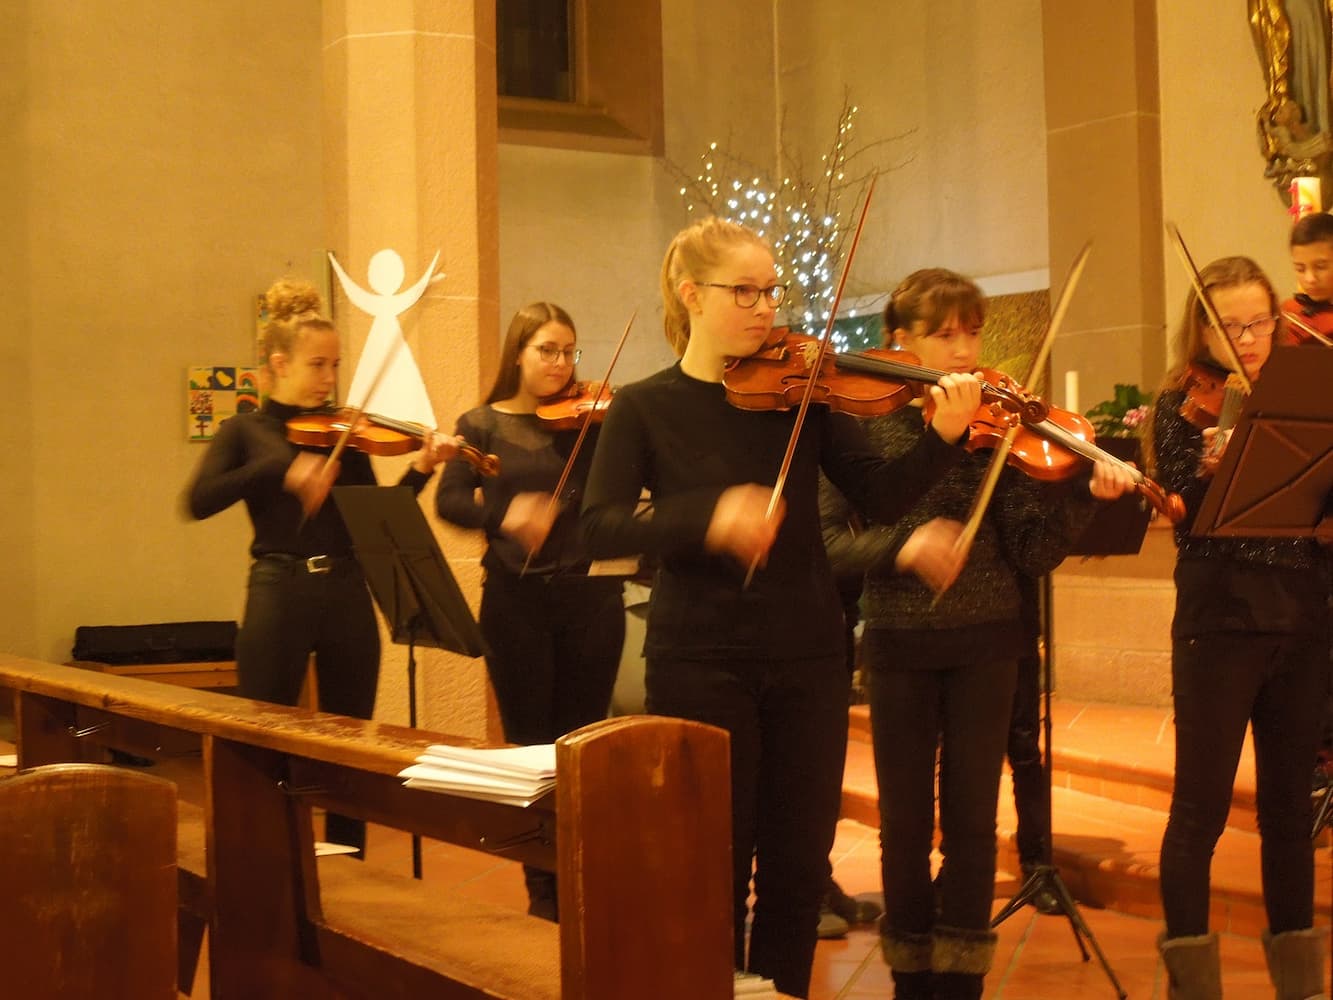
374	435
1308	321
1212	397
1051	444
867	383
1072	436
582	402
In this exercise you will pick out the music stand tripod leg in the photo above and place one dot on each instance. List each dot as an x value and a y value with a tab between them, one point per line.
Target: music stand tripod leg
412	721
1047	876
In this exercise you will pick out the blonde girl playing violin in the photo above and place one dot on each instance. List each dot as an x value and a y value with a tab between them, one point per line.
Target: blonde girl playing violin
554	632
942	640
765	661
306	592
1249	647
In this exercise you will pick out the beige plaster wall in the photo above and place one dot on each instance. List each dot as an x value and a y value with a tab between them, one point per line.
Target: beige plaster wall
1212	174
588	230
17	486
959	83
167	167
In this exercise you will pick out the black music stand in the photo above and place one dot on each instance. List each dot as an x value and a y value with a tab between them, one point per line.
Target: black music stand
1117	529
410	581
1276	476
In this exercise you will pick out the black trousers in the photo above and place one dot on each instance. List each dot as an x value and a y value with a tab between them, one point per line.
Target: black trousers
1220	684
961	711
788	725
555	644
291	613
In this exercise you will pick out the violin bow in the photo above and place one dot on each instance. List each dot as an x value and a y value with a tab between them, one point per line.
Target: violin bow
603	387
1305	328
1233	356
981	502
815	368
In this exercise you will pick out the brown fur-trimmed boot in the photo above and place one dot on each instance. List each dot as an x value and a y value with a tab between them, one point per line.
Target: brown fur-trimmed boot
908	958
1193	967
1296	963
961	958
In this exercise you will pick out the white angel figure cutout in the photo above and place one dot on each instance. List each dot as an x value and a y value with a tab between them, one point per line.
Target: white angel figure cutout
387	380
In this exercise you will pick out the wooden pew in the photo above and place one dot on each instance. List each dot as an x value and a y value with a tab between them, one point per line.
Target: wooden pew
638	833
88	866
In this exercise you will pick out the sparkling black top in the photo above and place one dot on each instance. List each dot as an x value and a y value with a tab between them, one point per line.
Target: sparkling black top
1232	584
1026	532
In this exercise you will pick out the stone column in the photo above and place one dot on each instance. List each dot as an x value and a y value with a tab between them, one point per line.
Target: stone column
1103	163
410	163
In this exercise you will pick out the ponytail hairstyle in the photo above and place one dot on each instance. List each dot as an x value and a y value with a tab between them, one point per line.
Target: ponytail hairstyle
1188	343
695	253
526	322
292	307
933	295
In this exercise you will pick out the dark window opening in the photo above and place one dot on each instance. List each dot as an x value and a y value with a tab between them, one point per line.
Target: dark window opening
533	43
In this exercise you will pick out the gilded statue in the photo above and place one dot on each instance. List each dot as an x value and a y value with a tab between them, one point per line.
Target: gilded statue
1295	134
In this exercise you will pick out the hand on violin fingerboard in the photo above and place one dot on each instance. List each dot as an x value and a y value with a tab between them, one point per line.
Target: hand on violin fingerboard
1214	446
740	526
1111	480
528	519
309	478
957	399
933	554
435	448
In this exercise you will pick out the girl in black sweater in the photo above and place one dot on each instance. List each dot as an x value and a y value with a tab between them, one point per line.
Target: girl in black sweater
1249	647
763	661
306	592
554	631
942	667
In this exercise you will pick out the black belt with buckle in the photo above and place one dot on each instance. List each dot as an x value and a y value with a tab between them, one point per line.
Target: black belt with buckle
312	564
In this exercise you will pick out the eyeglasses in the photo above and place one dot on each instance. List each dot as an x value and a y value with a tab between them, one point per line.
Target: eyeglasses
748	295
1259	329
552	354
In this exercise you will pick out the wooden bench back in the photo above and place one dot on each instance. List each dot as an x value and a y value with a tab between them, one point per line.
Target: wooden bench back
638	831
88	870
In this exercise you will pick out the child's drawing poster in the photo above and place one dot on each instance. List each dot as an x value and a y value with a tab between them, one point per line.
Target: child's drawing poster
217	392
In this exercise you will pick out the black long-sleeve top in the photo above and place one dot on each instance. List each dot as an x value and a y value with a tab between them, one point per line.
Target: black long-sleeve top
1028	529
532	458
680	439
1232	584
248	460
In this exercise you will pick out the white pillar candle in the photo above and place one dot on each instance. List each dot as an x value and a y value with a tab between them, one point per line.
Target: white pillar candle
1071	391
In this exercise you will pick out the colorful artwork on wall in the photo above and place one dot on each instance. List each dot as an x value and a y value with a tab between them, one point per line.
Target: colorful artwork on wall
217	392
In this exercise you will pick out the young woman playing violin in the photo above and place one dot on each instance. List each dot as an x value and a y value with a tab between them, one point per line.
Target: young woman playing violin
555	633
306	592
763	659
1249	646
942	662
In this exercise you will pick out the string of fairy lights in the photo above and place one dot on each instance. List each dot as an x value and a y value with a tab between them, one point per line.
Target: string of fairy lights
800	218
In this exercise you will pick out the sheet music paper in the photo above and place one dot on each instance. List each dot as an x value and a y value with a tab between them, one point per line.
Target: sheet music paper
510	775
